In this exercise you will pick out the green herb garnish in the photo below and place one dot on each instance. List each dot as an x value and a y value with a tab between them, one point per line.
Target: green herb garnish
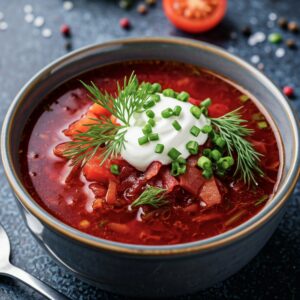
128	100
152	196
86	144
231	129
261	200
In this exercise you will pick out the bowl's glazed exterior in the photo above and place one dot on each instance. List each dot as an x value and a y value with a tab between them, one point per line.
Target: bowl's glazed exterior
152	271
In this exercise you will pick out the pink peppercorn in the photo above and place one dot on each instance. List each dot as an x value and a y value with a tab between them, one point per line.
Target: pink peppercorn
65	29
288	91
125	23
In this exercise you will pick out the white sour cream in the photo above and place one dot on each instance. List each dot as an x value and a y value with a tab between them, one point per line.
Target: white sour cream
141	156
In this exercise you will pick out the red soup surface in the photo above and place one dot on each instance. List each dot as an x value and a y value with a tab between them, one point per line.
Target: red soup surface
93	200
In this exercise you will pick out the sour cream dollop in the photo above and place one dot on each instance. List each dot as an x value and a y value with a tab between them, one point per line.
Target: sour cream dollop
141	156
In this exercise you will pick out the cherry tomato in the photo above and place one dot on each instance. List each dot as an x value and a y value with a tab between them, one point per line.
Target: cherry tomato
195	16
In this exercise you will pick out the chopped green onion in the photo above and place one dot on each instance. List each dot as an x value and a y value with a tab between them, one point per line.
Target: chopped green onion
149	103
195	131
262	125
183	96
225	163
169	93
155	98
207	152
192	147
147	129
151	122
156	87
150	113
143	140
153	137
114	169
206	103
244	98
181	160
207	173
182	169
207	129
220	142
174	153
196	111
215	154
159	148
204	163
177	110
204	110
176	169
167	113
147	86
176	125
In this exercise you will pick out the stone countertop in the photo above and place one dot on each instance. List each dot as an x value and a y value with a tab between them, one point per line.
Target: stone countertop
275	272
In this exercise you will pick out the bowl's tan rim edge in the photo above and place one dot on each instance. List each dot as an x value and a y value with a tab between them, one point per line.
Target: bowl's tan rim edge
203	245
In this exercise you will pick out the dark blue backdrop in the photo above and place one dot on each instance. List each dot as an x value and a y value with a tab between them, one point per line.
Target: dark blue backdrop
275	272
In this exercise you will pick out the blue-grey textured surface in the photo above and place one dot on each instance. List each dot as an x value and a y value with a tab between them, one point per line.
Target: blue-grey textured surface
275	272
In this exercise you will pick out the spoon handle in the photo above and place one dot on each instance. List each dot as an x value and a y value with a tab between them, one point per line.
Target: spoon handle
33	282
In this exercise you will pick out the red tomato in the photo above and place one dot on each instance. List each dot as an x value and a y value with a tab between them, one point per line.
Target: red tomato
195	16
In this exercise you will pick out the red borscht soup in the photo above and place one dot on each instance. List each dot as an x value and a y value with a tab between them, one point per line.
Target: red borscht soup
152	153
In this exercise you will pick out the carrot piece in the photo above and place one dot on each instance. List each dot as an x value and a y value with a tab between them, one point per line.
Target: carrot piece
81	124
98	203
84	224
94	171
191	208
60	149
119	228
210	193
111	195
114	120
99	110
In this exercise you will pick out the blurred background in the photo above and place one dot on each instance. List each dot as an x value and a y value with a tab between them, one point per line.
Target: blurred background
264	32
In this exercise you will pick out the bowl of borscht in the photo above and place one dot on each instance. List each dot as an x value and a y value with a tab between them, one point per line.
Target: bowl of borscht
151	167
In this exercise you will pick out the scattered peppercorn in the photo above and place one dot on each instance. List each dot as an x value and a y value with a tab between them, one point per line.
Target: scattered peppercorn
293	27
68	45
291	44
142	9
283	23
288	91
150	2
247	31
125	23
65	30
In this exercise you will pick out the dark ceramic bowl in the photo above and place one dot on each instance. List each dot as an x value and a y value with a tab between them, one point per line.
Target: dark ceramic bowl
152	271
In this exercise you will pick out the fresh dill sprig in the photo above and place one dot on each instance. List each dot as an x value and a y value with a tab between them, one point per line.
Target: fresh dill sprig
153	196
128	100
231	129
102	133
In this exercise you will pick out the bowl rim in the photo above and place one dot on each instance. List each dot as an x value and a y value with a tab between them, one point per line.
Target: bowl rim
211	243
